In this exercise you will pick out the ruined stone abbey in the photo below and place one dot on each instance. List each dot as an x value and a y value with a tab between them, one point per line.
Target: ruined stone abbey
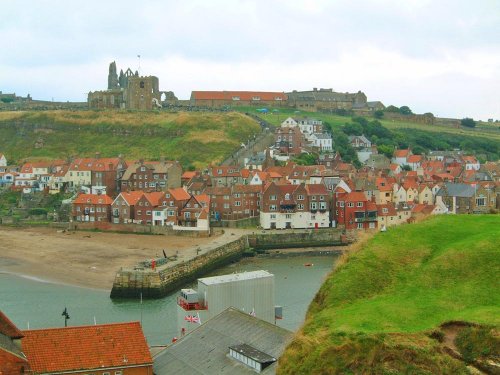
129	91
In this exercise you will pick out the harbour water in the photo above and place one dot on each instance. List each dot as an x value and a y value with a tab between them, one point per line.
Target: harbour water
34	302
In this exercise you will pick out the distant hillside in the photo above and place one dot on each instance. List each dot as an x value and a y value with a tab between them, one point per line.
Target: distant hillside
196	139
375	312
483	141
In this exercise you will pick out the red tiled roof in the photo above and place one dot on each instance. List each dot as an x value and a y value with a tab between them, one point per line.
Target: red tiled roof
131	197
314	189
243	95
8	328
154	197
414	158
93	199
86	347
401	153
188	175
356	196
179	194
203	199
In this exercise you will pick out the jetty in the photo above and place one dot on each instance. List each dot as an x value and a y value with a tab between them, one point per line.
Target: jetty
160	278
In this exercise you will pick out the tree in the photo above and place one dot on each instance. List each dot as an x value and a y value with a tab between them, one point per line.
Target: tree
392	108
468	122
386	150
405	110
378	114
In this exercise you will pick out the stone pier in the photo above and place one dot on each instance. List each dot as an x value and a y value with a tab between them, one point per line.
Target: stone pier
167	278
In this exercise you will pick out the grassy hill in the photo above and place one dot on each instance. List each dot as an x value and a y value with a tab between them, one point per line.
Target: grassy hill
374	313
193	138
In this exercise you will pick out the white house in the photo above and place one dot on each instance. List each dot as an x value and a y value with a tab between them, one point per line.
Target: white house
3	160
323	141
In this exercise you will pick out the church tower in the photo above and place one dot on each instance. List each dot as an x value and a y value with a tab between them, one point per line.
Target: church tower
112	77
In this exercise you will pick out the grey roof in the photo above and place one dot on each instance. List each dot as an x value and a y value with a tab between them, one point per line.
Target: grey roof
250	275
378	161
205	350
451	189
251	352
322	136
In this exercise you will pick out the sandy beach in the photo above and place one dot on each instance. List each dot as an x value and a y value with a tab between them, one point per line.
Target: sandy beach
90	259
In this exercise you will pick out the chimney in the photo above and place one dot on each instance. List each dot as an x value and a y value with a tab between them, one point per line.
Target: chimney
315	89
162	159
97	155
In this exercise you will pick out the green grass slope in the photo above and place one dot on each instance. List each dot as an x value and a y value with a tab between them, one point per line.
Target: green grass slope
193	138
371	313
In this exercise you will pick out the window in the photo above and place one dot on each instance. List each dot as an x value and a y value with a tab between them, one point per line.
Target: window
359	204
314	206
350	204
313	198
143	169
321	198
226	205
371	225
187	215
360	225
148	212
287	196
273	216
139	212
300	206
272	207
480	201
288	216
272	197
237	195
171	213
385	210
300	197
341	204
237	203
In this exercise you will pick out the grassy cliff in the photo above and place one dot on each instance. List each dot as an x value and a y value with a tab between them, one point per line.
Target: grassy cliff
374	313
193	138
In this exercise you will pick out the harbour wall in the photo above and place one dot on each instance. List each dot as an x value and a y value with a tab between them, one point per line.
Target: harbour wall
165	279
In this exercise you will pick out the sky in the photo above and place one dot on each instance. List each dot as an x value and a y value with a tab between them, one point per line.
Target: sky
433	56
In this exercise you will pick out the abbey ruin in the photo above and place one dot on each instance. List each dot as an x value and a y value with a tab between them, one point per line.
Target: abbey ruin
129	91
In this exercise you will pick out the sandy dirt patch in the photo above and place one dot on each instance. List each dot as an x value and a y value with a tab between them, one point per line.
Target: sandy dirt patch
91	259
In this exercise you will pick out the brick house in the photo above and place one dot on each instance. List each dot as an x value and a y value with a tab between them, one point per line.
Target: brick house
218	99
170	206
195	213
228	175
107	172
12	358
92	207
354	211
287	206
146	205
152	176
104	349
462	198
124	206
289	140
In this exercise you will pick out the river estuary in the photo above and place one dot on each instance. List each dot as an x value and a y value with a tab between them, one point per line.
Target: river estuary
39	304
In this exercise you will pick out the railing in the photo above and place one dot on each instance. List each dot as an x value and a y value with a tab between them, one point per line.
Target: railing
190	306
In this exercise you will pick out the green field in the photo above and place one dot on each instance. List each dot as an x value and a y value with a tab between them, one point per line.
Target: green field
379	303
196	139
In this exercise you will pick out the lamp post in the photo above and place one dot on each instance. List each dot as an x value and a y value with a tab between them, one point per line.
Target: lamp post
66	316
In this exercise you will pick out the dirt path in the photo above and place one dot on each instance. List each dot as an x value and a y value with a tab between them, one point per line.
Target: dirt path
91	259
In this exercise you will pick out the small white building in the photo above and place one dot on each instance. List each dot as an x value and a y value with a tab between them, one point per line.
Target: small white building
3	160
252	292
322	140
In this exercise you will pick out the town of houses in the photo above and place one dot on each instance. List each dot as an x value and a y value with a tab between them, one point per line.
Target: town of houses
270	188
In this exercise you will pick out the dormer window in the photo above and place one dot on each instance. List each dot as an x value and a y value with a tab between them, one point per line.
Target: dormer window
236	98
256	98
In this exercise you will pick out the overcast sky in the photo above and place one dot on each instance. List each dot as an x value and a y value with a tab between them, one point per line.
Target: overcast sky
434	56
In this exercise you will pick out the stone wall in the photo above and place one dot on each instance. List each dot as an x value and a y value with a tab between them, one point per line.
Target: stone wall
130	283
135	228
